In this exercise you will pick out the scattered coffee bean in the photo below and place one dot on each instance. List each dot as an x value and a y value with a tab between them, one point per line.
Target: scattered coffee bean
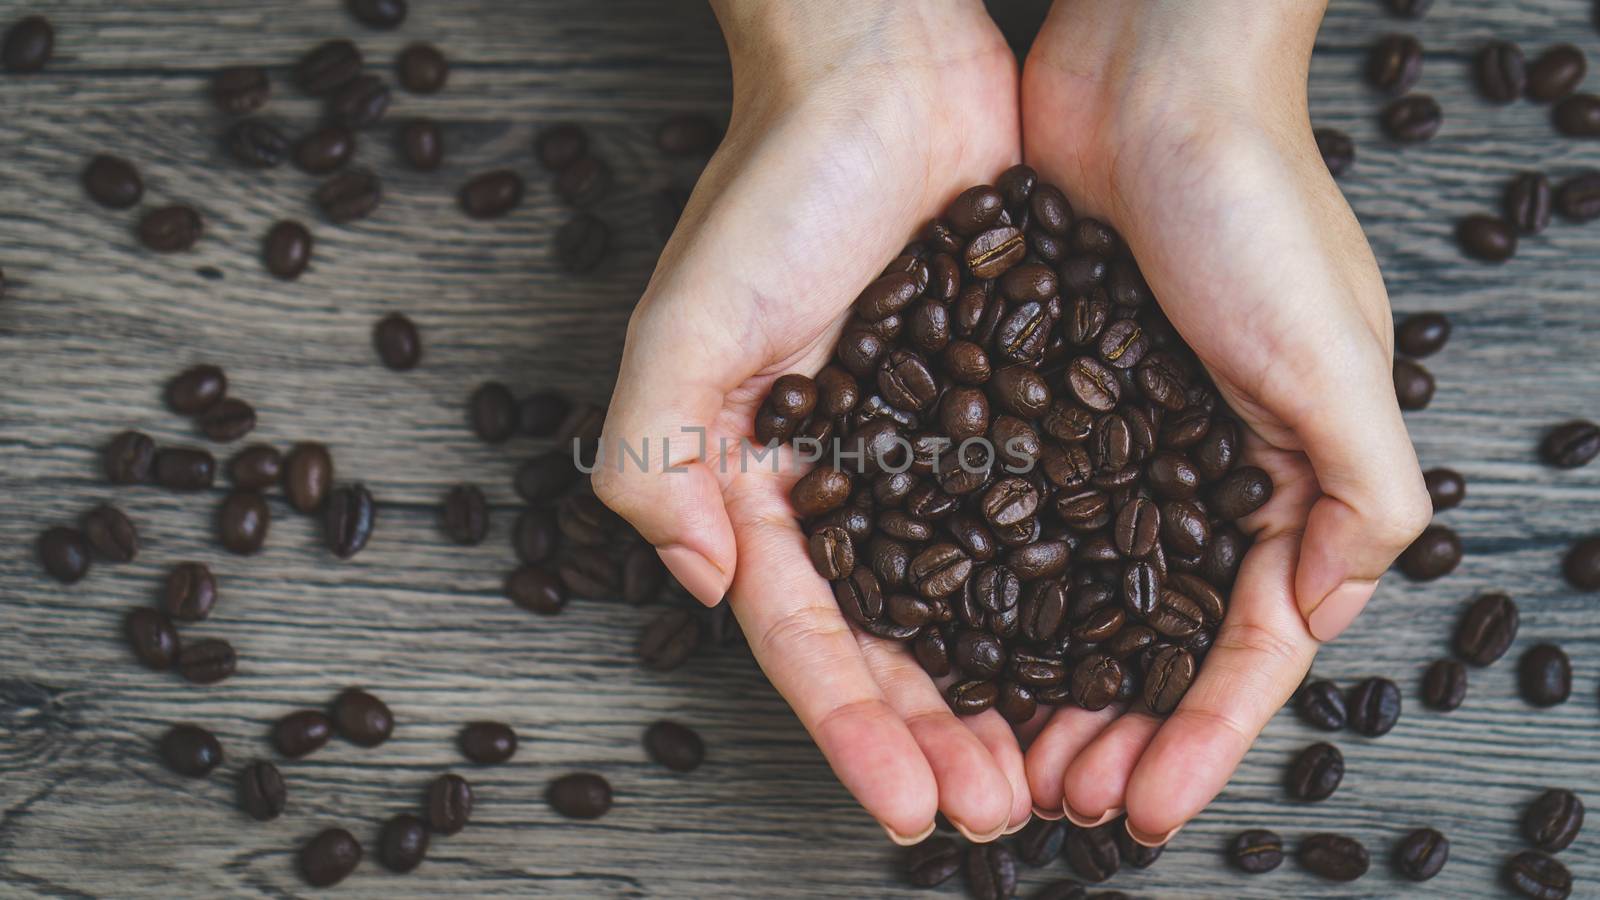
190	592
360	103
381	14
348	520
675	746
465	515
1092	853
546	476
536	589
243	521
1413	385
361	718
1067	889
1422	854
1374	706
584	182
184	468
1446	488
1486	238
1434	554
1338	152
154	640
688	134
227	420
422	144
1131	851
328	67
534	536
1315	774
286	251
1553	821
581	243
1578	197
129	458
492	411
1582	564
1408	9
542	412
302	732
262	793
307	476
349	196
581	795
398	343
1527	202
449	804
330	857
324	150
1577	116
239	90
110	534
1412	119
27	45
422	69
1555	73
1501	72
991	872
191	750
489	743
1321	704
196	389
1041	840
933	861
207	661
1444	685
643	575
1256	851
1571	444
1334	856
1487	629
113	182
402	843
492	194
170	229
1539	876
1545	675
559	146
1394	64
256	143
669	640
64	554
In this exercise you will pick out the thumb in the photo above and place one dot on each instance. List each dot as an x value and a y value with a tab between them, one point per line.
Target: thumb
1373	501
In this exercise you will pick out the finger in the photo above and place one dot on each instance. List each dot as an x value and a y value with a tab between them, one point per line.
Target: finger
1260	655
1001	740
806	648
1095	784
974	793
1069	730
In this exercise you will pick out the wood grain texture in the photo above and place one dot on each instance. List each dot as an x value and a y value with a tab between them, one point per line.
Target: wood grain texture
90	327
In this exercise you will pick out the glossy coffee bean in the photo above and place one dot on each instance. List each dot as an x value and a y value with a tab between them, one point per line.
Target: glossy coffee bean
243	521
110	534
464	517
1241	492
361	718
1413	385
307	476
675	746
1581	566
112	182
349	196
1500	71
301	732
228	420
324	150
1321	704
448	802
1577	116
1394	65
1486	629
1435	553
348	520
262	793
129	458
208	661
422	69
1527	202
1545	675
190	592
286	250
491	195
933	861
1337	149
421	144
171	229
1422	854
973	696
1256	851
238	90
1041	840
1446	488
536	589
1412	119
403	843
1555	73
328	67
152	637
360	103
382	14
1092	853
1315	774
256	144
329	858
1570	444
1444	685
398	342
1539	876
1578	198
1334	857
1167	678
669	640
27	45
545	477
1552	821
196	389
1422	334
1374	707
991	871
581	795
191	750
581	243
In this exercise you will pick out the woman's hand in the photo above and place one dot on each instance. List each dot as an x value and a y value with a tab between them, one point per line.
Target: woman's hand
1185	125
852	123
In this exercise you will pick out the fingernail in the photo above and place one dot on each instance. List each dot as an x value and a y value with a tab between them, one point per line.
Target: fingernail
905	841
1339	609
1083	821
1015	828
1146	840
1048	815
696	573
979	838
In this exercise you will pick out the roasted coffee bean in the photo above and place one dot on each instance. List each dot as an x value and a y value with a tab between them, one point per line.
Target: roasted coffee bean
1485	238
492	411
302	732
242	522
1408	9
449	804
832	553
1338	151
154	640
328	67
1545	675
112	182
581	243
492	194
1167	678
1538	875
1256	851
968	698
383	14
1093	237
1555	73
227	420
1094	385
1123	344
1487	629
991	872
669	640
1394	64
1016	703
1334	856
1040	841
208	661
1582	564
330	857
1321	704
362	719
109	533
979	654
588	572
286	250
1444	685
256	143
1374	707
1571	444
1315	774
932	652
1527	202
262	794
643	575
190	592
1092	853
421	144
933	861
819	491
191	750
307	476
1422	334
1435	553
1016	185
324	150
402	843
675	746
27	45
1553	820
238	90
1067	889
990	253
581	795
1422	854
348	520
1096	679
421	68
1413	385
398	343
171	229
546	476
464	517
1578	197
585	182
687	134
974	210
1501	72
349	196
1242	492
129	458
1446	488
534	536
559	146
536	589
585	521
1412	119
1577	116
907	382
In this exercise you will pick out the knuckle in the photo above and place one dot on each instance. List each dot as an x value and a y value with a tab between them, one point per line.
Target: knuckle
1258	641
809	630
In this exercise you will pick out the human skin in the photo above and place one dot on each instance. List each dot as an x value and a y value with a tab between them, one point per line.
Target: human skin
855	122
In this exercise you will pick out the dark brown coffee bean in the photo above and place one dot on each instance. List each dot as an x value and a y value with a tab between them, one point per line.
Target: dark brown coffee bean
307	476
324	150
974	210
464	517
1092	853
581	243
238	90
581	795
939	571
362	719
242	522
1374	707
207	662
643	575
448	802
349	196
1501	72
990	253
1444	685
302	732
1244	490
1581	566
1553	821
190	592
1578	198
397	341
1527	202
1577	116
559	146
991	872
1545	675
492	412
1487	629
184	468
1408	9
932	862
286	251
1131	851
381	14
329	858
1413	385
1412	119
1167	678
1446	488
546	476
110	534
256	143
129	458
112	182
536	589
1338	151
1422	854
1394	64
328	67
1422	334
262	794
1555	73
1321	704
968	698
832	553
932	652
675	746
171	229
1256	851
1538	875
1040	841
492	194
1334	856
154	640
669	640
421	68
1435	553
1315	774
191	750
1096	680
1094	385
348	520
687	134
585	182
1571	444
421	144
819	491
227	420
402	843
27	45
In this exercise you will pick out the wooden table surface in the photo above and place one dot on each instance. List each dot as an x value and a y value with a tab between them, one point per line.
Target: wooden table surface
91	326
